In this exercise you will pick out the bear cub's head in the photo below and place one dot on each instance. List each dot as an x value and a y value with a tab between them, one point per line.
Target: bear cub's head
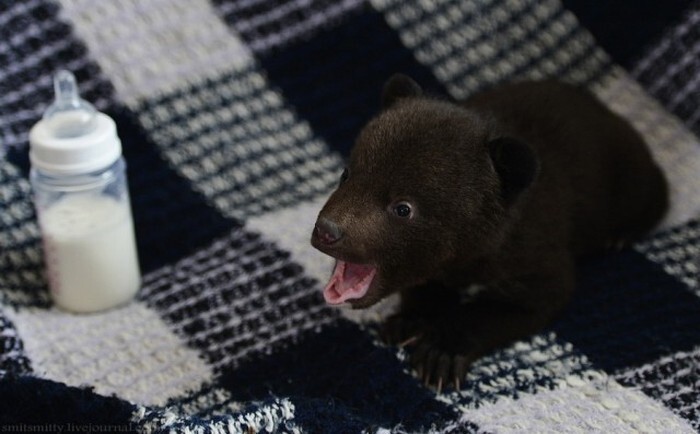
429	187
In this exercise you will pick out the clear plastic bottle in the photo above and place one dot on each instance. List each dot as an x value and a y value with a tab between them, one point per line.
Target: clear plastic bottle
82	201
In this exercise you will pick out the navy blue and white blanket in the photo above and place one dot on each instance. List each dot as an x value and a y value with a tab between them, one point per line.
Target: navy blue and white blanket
235	117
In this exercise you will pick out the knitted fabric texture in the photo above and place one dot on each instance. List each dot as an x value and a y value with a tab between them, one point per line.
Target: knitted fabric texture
235	118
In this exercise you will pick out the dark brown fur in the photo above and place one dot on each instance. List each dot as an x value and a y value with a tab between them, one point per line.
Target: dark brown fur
509	188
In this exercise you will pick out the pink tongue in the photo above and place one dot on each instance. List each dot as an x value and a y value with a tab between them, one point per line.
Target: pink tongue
349	282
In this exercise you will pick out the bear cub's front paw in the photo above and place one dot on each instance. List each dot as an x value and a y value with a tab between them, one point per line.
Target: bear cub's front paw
437	354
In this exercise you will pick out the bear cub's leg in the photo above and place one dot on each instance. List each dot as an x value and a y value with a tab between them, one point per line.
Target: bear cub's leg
445	335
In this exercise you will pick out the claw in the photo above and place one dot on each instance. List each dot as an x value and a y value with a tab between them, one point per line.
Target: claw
443	366
460	366
409	341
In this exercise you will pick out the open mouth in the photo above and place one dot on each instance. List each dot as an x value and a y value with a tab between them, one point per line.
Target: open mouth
349	282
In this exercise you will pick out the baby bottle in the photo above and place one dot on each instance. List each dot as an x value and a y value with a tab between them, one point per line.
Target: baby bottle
80	192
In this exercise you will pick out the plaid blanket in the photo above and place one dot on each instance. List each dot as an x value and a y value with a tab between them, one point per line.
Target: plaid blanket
235	117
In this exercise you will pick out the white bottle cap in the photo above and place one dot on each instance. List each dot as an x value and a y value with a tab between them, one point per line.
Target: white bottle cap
72	138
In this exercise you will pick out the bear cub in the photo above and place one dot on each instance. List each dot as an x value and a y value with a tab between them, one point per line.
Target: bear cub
475	212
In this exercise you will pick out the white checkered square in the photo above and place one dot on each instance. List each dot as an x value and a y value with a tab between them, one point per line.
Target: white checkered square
147	48
590	403
675	149
127	351
238	143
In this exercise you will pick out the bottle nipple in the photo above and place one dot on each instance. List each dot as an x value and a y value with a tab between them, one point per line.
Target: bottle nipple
69	116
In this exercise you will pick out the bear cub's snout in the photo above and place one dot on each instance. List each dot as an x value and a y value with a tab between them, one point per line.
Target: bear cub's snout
326	232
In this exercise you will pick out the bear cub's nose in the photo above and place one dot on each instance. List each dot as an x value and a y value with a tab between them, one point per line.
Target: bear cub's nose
327	232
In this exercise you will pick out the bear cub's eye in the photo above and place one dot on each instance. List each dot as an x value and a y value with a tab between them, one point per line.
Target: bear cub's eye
344	176
403	209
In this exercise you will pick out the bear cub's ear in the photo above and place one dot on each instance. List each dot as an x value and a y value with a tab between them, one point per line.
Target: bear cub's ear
516	164
397	87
